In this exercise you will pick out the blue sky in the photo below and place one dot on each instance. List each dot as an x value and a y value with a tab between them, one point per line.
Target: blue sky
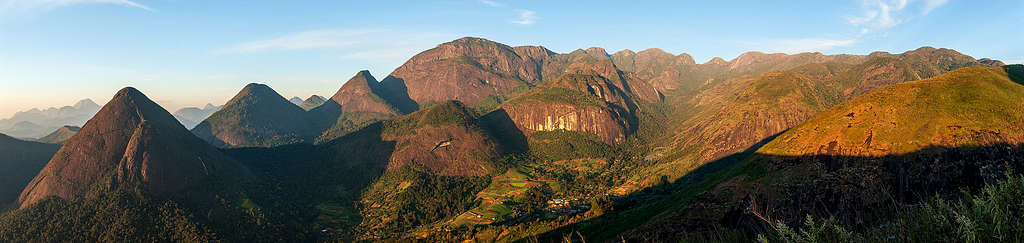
189	53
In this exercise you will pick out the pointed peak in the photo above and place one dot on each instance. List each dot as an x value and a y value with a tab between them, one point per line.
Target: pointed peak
717	61
85	103
129	92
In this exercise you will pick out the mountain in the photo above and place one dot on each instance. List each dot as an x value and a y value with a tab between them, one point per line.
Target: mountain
19	162
358	102
583	102
441	146
733	114
131	142
256	117
972	106
61	135
191	116
312	102
470	70
36	123
883	151
295	100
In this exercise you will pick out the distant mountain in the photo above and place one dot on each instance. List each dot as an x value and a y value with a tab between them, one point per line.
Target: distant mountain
256	117
36	123
192	116
132	142
358	102
19	162
312	102
60	135
295	100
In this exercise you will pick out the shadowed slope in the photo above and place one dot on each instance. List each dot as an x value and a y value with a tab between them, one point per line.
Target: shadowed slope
19	162
256	117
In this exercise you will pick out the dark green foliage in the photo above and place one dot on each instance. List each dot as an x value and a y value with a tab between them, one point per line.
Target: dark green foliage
414	197
122	216
562	145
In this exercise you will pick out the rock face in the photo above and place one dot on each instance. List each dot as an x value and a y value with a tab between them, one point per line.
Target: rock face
19	162
131	142
61	135
36	123
256	117
362	93
192	116
312	102
468	70
581	102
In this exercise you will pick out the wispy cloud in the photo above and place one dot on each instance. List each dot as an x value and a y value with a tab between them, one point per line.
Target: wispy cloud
28	6
492	3
380	46
313	39
880	15
798	45
526	17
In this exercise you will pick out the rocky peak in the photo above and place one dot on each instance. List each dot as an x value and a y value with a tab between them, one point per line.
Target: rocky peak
717	61
598	53
991	63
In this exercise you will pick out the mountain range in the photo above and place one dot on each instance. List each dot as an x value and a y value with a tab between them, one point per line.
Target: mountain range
476	140
36	123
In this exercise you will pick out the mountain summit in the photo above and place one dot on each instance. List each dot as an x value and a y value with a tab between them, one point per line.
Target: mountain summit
131	142
256	117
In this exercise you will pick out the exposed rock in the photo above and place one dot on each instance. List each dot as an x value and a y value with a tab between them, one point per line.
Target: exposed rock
468	69
581	102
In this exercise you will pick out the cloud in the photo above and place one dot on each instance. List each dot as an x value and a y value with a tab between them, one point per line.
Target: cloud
313	39
526	17
880	15
25	6
383	46
492	3
800	44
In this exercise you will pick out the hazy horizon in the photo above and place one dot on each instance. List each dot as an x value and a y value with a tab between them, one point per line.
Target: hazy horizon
187	53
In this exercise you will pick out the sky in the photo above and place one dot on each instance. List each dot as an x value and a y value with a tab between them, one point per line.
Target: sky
185	53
